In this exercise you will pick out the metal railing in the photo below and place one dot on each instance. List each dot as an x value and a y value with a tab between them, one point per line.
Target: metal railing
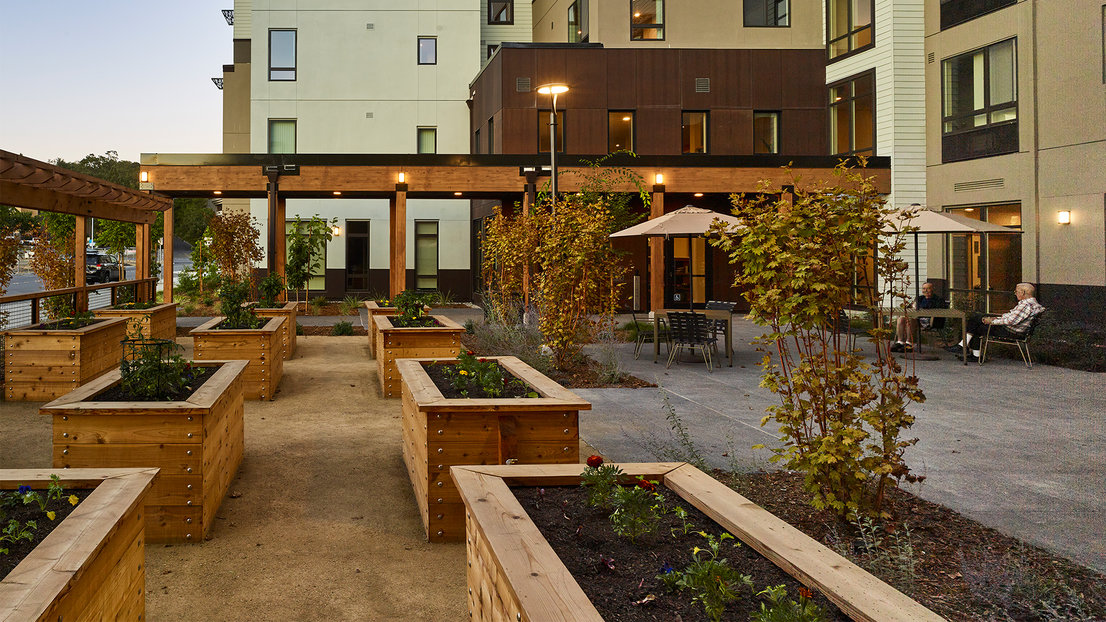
19	310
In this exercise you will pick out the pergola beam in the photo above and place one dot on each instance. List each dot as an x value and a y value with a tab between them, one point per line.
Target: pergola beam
48	200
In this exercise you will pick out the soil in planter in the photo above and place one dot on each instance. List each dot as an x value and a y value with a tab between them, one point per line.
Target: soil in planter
68	324
136	306
24	513
117	394
420	322
513	387
581	536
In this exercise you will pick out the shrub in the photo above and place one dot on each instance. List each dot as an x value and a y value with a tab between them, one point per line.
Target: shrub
316	305
342	329
152	369
350	305
269	289
780	608
232	304
234	245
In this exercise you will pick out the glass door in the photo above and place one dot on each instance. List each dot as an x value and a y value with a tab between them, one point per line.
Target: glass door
357	255
687	271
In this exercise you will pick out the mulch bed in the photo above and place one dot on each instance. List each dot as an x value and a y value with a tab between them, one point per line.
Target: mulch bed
963	570
583	538
117	394
24	513
517	388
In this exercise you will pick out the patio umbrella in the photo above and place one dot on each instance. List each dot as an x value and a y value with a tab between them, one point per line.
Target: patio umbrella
687	222
927	221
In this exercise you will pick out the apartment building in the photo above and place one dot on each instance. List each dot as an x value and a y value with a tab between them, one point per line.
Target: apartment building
376	76
1016	97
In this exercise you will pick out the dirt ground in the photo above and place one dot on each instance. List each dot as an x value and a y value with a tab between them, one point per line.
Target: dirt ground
321	523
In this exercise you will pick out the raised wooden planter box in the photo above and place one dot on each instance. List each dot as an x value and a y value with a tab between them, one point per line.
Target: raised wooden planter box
513	573
43	364
393	343
374	309
262	347
197	444
158	322
288	331
439	433
93	565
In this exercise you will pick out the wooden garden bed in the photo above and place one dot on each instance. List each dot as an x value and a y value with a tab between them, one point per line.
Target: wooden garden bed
42	364
513	573
197	444
92	566
262	347
288	331
159	322
439	433
393	343
374	309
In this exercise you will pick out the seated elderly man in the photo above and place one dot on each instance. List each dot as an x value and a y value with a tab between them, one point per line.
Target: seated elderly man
908	326
1011	324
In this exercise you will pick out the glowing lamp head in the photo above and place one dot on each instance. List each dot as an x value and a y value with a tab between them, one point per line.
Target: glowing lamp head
144	176
659	179
402	178
1063	217
553	89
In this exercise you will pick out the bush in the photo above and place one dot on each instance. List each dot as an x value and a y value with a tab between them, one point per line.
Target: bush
232	300
269	289
316	305
1065	344
342	329
350	305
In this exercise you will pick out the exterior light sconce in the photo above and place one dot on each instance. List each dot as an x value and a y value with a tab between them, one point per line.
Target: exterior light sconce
402	178
217	192
337	193
698	194
659	179
337	231
456	194
144	176
1063	217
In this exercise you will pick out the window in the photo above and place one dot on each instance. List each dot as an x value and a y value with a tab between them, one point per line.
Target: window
955	12
849	24
427	140
282	135
620	131
852	116
282	55
694	130
426	254
357	255
766	132
578	22
428	51
984	274
491	135
980	103
501	12
543	131
492	47
766	13
646	20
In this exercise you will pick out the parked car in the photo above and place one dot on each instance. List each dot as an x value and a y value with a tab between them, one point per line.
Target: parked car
100	268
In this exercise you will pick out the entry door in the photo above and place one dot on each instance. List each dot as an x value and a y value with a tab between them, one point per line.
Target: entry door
687	272
357	255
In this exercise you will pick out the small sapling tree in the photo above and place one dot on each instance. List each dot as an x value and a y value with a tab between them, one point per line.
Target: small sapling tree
307	252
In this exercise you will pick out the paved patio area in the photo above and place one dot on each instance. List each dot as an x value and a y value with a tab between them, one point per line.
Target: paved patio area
1021	450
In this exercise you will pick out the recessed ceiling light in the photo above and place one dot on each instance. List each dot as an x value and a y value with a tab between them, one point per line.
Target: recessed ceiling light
218	192
626	118
337	193
456	194
698	194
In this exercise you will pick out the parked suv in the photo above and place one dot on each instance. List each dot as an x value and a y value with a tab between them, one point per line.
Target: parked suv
100	268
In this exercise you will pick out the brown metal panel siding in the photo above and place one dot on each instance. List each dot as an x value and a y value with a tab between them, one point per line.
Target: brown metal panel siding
767	77
588	79
803	132
622	72
586	131
658	82
519	130
552	68
657	131
805	86
518	63
731	132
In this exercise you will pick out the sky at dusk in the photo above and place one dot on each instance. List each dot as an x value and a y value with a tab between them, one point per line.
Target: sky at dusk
89	76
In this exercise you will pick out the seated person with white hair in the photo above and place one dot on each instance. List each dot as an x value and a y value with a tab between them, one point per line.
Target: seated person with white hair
908	326
1011	324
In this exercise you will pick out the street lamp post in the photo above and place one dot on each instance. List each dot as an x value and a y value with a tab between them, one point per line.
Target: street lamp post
554	90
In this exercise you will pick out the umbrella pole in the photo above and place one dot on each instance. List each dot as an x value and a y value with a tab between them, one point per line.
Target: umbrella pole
917	270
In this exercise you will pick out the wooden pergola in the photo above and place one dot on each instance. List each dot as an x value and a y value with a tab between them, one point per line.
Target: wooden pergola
32	184
508	178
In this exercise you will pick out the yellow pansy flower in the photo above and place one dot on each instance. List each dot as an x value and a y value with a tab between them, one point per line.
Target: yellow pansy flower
73	500
463	372
51	515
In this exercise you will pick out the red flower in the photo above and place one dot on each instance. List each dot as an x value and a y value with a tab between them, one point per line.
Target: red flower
805	593
646	485
481	360
470	353
595	462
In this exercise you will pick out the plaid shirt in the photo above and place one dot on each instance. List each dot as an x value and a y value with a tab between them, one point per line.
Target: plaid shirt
1018	318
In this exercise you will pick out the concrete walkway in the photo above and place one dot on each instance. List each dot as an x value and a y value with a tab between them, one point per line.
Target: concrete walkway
1021	450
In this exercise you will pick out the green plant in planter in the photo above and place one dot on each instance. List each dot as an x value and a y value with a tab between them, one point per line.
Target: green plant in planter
471	373
709	578
636	509
152	370
48	502
600	480
412	310
780	608
342	329
232	304
269	289
73	322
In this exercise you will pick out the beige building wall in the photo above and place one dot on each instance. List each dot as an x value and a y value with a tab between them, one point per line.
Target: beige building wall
698	24
493	34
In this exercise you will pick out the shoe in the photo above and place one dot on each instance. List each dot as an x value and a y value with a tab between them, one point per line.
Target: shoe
971	358
908	347
897	346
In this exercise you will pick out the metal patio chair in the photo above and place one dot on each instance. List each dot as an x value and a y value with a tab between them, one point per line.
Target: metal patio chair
646	336
690	331
1020	341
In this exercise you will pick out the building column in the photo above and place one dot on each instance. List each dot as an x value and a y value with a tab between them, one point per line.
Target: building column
80	237
142	260
397	232
273	190
281	256
167	256
656	253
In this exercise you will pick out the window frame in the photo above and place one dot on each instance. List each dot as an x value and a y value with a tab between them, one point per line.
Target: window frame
706	132
578	32
851	32
633	129
746	24
511	10
295	55
269	135
418	49
437	252
870	74
418	138
950	18
491	135
543	122
642	27
1004	132
778	139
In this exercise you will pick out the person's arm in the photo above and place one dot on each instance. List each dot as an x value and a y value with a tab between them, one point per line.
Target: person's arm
1014	316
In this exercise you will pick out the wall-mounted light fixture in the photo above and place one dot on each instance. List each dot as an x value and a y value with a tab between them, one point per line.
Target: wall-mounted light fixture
337	231
402	178
1063	217
659	179
144	176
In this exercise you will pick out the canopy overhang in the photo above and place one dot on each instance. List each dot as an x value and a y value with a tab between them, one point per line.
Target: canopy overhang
684	222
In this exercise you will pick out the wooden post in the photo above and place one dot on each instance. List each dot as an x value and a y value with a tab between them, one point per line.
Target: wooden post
656	253
282	244
80	236
141	259
167	257
273	189
397	229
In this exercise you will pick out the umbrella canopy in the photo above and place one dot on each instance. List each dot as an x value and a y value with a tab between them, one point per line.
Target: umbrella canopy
686	221
943	222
